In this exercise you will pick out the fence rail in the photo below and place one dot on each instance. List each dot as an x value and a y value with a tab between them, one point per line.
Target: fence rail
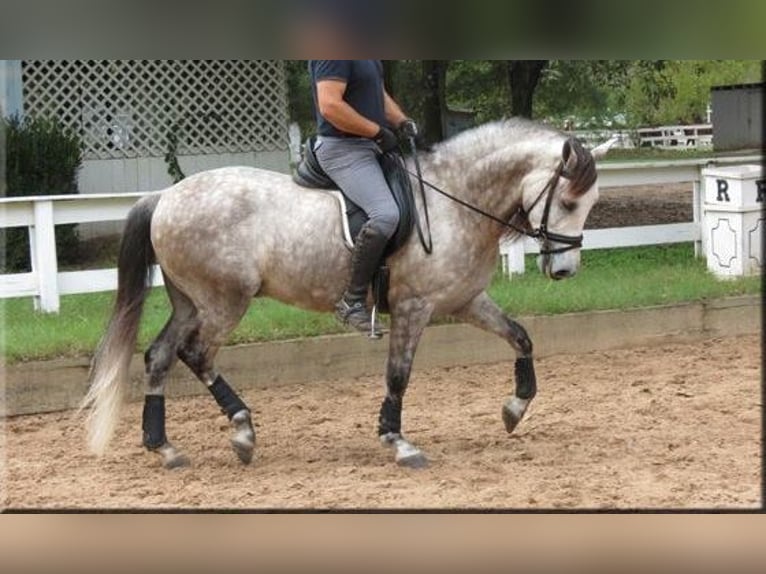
698	136
669	137
40	214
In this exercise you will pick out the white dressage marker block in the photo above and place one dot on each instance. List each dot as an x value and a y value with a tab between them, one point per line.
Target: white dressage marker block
734	219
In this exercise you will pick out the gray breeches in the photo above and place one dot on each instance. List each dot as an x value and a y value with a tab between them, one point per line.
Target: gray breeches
352	163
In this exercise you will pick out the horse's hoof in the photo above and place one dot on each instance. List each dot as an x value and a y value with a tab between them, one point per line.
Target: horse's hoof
244	449
415	460
243	441
177	461
510	420
513	411
406	454
172	457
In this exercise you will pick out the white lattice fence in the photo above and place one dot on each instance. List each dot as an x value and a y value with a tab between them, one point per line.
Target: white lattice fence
129	108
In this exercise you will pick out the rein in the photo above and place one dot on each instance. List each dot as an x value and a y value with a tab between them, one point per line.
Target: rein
541	234
429	246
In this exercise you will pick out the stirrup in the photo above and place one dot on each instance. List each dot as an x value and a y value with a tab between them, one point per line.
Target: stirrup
344	312
374	333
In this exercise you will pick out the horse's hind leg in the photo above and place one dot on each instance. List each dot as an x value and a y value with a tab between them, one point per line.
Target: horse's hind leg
408	320
485	314
159	358
198	351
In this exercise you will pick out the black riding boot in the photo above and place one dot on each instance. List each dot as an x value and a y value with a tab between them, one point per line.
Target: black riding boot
368	251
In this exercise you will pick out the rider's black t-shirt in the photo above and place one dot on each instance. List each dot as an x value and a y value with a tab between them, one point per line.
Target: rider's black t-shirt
364	89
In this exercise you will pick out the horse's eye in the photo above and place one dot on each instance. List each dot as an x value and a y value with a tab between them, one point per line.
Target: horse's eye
568	205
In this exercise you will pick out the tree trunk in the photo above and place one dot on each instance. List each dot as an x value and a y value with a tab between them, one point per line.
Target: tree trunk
434	77
389	75
523	76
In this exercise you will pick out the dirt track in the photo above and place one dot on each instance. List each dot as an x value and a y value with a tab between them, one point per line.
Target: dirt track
671	427
641	205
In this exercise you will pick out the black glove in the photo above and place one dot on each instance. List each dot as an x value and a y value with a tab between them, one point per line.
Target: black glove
386	140
408	129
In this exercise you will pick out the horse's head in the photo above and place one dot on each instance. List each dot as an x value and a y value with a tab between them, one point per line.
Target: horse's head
556	212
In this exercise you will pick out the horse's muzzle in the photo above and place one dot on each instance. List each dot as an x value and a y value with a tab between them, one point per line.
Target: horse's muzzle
561	274
557	266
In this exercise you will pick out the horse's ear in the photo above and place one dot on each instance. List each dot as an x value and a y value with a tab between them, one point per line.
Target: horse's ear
600	150
579	166
569	155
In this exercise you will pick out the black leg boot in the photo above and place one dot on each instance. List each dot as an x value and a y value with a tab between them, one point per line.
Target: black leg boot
368	251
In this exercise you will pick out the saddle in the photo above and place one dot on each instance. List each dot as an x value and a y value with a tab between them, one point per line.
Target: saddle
310	174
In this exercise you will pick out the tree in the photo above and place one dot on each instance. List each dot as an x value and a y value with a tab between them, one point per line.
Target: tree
589	91
479	86
434	104
389	76
299	99
678	91
523	77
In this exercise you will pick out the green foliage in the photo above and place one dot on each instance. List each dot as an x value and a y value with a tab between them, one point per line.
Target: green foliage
594	93
299	100
171	155
481	86
42	158
407	86
678	91
586	92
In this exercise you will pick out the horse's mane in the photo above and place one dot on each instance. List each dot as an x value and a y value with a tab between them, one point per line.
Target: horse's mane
510	130
521	134
495	146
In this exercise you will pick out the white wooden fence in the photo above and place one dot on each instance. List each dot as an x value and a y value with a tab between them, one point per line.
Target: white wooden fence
697	136
40	214
45	283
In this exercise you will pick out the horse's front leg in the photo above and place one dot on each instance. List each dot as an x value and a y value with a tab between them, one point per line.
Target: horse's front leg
485	314
408	319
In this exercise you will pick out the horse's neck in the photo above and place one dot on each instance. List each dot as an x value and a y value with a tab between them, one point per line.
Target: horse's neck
488	179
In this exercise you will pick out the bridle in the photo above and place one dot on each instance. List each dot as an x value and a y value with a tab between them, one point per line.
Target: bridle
541	234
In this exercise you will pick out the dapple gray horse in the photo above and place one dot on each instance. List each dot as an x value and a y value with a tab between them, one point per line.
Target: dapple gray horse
224	236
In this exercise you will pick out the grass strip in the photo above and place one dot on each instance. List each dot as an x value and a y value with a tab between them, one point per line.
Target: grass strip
609	279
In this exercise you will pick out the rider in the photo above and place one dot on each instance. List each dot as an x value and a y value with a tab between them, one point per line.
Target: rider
354	118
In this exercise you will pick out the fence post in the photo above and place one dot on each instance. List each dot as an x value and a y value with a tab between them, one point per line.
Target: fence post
697	215
512	256
42	245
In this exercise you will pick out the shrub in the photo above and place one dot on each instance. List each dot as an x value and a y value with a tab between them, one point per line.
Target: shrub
42	158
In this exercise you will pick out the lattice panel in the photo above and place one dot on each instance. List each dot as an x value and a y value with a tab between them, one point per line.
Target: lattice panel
129	108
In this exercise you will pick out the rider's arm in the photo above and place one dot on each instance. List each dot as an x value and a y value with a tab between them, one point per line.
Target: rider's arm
335	110
394	113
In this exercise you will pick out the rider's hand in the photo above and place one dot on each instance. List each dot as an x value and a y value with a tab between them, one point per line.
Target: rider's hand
385	139
407	129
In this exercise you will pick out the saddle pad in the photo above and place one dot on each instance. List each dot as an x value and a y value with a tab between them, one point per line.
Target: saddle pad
347	238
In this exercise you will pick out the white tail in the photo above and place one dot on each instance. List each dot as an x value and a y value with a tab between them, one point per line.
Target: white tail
105	396
111	364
